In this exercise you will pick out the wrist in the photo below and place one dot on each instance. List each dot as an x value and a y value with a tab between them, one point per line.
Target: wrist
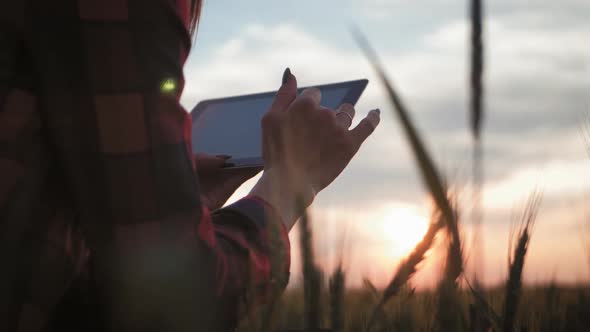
284	196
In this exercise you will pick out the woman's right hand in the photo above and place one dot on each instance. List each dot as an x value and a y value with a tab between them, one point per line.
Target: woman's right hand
306	146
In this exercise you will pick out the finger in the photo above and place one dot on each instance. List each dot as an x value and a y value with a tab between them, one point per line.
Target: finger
366	127
314	93
223	156
286	94
344	115
206	162
310	98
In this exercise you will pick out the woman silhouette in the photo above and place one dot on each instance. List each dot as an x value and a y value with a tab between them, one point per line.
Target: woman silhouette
108	221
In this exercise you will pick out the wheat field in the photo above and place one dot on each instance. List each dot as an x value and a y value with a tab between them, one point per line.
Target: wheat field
458	302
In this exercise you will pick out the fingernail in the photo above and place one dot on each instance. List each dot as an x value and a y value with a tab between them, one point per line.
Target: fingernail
229	165
223	156
286	75
378	111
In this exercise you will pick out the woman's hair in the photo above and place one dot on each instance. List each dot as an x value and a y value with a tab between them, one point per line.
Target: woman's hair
195	13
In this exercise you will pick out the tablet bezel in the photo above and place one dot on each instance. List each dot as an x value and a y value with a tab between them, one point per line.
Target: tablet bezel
356	89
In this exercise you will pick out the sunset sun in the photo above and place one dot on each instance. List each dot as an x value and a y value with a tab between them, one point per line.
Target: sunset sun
403	228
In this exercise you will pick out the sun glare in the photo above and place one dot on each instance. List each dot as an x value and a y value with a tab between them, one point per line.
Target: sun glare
403	227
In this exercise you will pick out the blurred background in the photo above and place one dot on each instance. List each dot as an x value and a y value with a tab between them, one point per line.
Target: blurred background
537	82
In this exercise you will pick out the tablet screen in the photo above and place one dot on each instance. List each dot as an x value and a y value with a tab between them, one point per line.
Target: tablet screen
232	126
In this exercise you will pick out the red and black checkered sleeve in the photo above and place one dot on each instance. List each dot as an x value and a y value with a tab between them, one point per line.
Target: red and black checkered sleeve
110	78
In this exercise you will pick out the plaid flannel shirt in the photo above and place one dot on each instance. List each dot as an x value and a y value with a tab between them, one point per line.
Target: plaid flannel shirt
97	182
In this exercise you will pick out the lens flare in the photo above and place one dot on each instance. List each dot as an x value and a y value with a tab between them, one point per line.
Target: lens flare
168	86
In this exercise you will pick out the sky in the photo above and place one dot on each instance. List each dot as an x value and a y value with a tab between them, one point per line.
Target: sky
537	82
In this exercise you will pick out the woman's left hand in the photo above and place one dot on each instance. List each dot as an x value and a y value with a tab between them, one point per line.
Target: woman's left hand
217	182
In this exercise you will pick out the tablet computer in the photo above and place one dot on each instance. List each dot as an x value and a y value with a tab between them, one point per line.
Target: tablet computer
232	126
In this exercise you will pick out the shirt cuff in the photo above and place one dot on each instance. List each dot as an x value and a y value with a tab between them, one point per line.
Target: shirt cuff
260	212
256	209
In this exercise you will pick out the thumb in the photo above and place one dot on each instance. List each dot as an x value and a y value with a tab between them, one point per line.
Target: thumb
286	94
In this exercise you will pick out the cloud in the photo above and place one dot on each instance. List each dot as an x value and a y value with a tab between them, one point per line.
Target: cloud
555	178
386	9
535	89
255	59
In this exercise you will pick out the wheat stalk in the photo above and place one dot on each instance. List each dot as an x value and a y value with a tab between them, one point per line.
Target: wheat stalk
476	120
337	287
448	317
586	139
454	266
430	177
428	171
311	274
476	68
368	285
407	268
514	284
482	306
587	236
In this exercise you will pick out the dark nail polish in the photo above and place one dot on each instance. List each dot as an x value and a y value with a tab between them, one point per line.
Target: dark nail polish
286	75
378	111
228	165
223	156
